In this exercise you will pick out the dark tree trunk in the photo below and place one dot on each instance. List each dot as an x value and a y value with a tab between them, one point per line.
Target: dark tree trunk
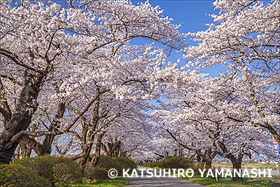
198	158
8	139
88	146
208	156
24	110
116	148
236	165
85	159
235	160
181	153
208	163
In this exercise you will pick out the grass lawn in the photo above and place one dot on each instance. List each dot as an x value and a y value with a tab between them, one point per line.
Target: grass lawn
227	182
246	165
118	182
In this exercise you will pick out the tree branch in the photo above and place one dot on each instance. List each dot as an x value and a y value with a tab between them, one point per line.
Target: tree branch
85	110
16	60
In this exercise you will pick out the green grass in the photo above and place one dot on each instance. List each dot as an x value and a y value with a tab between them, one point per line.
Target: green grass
247	165
227	182
118	182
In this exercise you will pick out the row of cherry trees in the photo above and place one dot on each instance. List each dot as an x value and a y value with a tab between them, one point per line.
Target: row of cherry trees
73	72
71	80
227	115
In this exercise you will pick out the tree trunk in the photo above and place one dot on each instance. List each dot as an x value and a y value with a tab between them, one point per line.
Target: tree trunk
208	163
208	156
198	156
25	151
96	156
21	118
181	153
86	155
84	159
8	139
34	145
236	165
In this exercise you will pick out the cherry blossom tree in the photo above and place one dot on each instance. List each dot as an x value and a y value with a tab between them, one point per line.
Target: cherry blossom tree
210	116
245	40
48	52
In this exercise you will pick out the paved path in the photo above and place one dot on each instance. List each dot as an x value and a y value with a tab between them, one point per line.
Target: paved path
159	182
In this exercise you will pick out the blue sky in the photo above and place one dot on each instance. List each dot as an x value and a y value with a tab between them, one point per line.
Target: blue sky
193	15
